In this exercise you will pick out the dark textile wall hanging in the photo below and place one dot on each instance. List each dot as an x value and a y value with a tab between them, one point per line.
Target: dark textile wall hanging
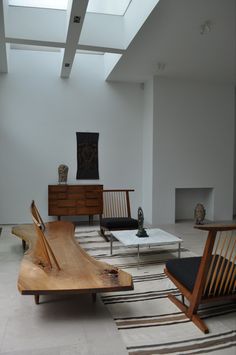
87	155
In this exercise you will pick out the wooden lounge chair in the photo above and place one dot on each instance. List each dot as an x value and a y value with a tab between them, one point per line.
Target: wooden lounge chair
116	212
209	278
56	264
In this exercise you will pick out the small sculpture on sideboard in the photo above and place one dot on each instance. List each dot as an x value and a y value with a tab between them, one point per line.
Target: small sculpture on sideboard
62	173
199	213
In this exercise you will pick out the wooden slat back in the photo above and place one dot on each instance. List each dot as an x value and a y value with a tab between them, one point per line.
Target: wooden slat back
221	275
36	216
44	248
116	203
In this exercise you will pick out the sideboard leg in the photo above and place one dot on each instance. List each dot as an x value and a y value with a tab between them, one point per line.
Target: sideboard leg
90	219
36	299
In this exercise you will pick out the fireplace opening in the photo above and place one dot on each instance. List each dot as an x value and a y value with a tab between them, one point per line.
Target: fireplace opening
186	200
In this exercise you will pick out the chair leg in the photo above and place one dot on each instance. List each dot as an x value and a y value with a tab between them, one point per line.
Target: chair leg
193	317
102	233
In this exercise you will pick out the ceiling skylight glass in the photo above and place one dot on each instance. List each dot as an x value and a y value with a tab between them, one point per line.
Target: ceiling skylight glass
47	4
108	7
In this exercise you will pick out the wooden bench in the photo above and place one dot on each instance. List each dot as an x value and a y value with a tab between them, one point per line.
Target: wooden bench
58	265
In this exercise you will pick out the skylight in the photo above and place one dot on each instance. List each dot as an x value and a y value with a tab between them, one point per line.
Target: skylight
46	4
108	7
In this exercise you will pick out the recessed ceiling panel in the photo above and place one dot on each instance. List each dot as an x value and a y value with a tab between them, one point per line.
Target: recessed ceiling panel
48	4
109	7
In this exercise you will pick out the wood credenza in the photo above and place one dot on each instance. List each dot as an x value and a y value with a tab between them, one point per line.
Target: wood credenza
75	200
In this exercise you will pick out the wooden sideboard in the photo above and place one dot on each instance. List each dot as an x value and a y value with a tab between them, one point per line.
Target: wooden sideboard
75	200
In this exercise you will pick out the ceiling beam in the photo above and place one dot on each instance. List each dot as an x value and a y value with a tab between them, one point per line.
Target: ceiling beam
3	48
84	47
33	42
78	11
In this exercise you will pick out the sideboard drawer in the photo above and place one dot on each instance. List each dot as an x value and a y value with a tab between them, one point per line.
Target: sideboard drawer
72	200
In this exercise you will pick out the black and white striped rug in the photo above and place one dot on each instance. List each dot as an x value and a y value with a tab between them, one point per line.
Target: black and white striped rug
148	321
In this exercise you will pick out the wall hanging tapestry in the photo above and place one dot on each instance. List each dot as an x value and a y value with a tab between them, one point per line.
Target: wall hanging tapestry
87	155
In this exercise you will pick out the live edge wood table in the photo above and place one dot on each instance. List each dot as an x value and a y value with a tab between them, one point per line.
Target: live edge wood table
75	271
75	200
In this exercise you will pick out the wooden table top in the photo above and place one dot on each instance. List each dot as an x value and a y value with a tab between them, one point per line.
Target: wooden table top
79	272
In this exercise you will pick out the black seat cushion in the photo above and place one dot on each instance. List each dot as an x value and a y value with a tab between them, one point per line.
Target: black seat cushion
119	223
184	270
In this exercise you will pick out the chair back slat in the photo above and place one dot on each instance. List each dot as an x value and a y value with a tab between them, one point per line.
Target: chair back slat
116	203
221	273
232	285
228	261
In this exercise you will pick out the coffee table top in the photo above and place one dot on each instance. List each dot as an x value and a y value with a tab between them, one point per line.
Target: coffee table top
156	236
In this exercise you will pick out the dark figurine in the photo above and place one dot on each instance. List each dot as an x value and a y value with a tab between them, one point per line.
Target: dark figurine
141	231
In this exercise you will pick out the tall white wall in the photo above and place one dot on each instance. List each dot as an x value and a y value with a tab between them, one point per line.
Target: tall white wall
148	151
40	115
194	144
235	155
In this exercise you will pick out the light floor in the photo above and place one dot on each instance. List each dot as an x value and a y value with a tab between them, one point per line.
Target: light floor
68	325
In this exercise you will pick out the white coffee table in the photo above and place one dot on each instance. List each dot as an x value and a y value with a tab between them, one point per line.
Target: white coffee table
156	236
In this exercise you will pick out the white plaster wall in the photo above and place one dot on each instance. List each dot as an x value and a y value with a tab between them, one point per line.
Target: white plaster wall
148	151
234	203
195	144
40	115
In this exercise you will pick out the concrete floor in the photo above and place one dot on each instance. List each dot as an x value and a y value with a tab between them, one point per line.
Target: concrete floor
65	325
68	325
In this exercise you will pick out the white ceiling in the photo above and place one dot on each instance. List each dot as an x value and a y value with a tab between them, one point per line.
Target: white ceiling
170	43
163	38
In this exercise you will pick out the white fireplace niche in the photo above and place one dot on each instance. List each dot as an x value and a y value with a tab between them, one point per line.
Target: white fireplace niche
186	200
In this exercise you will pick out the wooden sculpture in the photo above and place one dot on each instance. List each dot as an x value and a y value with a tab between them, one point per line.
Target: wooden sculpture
56	264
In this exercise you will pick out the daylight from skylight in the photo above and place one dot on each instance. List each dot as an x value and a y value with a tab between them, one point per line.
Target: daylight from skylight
109	7
46	4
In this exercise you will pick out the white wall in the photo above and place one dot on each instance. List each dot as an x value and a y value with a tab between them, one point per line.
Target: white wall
40	115
195	144
148	151
235	156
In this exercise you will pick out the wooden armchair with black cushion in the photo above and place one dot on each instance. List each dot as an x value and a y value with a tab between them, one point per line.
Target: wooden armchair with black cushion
116	212
209	278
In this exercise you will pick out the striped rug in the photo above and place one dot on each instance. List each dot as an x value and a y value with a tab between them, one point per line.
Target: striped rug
148	321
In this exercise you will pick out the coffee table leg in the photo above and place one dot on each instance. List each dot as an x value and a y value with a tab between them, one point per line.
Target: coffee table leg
179	250
111	241
138	257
